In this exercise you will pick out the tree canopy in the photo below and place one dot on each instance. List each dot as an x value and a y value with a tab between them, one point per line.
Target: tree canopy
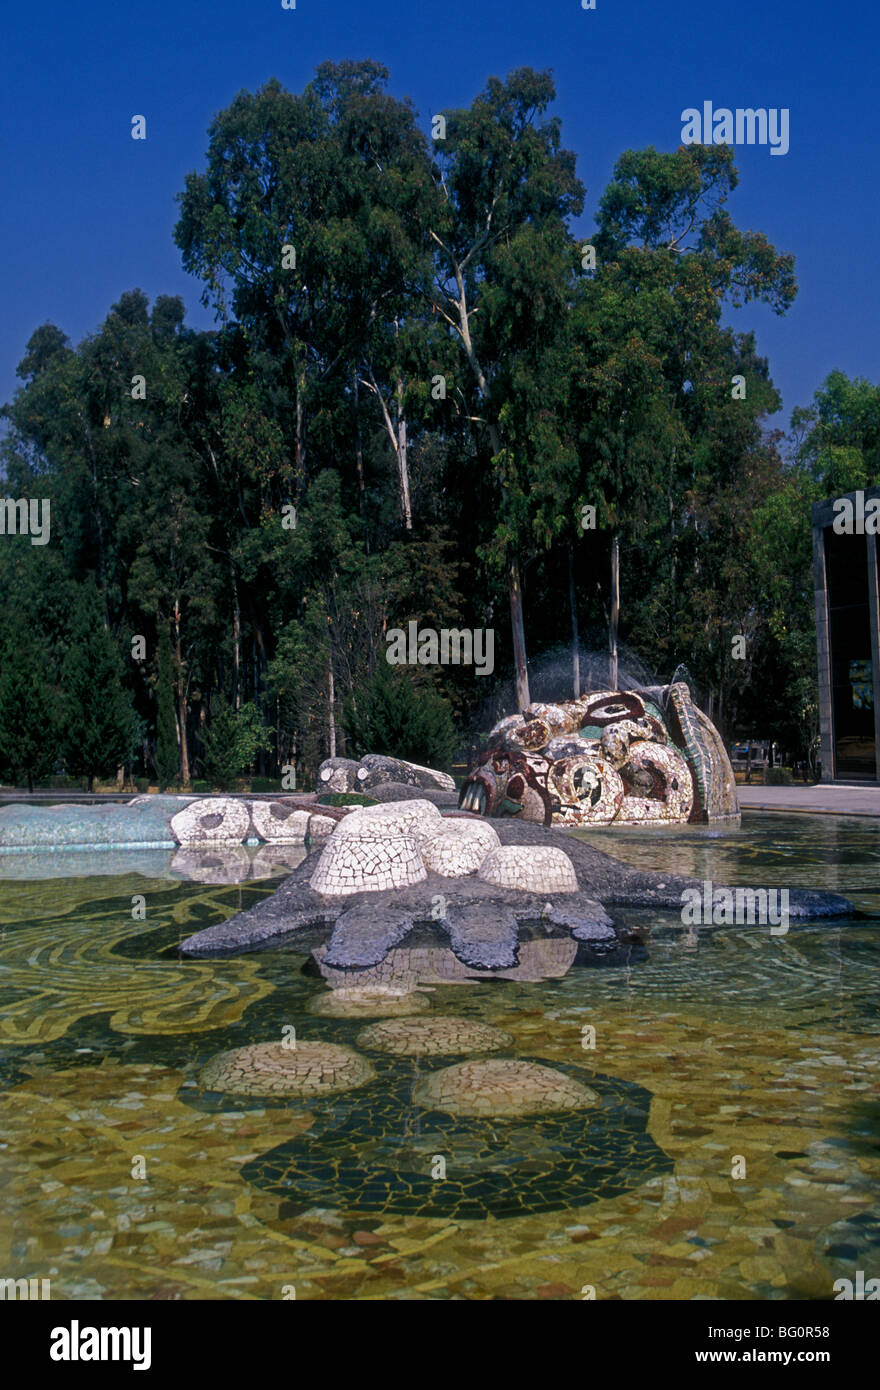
419	382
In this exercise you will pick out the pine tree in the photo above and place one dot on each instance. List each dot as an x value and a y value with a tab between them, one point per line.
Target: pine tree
232	740
97	708
394	718
28	715
167	752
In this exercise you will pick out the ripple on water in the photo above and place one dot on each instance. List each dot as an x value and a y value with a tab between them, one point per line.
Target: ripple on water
717	1042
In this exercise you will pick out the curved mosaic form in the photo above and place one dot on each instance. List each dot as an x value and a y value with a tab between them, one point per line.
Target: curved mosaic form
486	924
532	869
364	1153
164	822
277	822
394	845
457	848
432	1037
220	820
367	863
271	1069
502	1088
394	818
374	770
369	1001
624	757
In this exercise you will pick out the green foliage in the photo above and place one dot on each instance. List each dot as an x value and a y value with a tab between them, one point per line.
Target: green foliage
392	716
777	777
28	705
346	799
232	740
839	435
167	753
564	387
98	717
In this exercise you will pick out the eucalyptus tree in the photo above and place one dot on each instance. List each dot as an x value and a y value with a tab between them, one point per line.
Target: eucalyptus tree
655	371
838	436
378	247
309	225
508	189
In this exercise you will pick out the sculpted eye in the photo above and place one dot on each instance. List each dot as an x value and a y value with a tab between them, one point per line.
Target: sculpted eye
610	711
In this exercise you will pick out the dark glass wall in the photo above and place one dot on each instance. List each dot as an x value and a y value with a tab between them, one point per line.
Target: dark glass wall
852	692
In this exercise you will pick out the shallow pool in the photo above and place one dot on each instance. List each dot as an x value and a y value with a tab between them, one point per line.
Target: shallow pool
733	1152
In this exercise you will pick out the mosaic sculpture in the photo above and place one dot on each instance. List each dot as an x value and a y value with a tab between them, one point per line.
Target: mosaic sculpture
369	892
620	757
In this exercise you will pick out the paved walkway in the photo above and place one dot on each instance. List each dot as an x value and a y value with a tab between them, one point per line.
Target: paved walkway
825	798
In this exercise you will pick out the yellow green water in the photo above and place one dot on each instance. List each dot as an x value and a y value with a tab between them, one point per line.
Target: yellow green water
737	1154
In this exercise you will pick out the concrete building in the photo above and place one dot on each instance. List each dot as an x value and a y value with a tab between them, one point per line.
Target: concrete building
846	565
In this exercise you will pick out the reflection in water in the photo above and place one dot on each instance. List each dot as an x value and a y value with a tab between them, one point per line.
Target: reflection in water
435	964
218	864
712	1043
235	863
839	854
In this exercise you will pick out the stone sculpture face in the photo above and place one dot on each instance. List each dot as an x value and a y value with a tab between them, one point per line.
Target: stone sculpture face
612	756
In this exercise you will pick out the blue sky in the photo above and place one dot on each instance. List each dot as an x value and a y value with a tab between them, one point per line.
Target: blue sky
89	212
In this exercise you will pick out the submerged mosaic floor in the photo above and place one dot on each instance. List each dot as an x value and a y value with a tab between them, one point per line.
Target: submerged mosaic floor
383	1154
737	1075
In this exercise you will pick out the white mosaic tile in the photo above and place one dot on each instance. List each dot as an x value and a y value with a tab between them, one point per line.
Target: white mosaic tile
531	868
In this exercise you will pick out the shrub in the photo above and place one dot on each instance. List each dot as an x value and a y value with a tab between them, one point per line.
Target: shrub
231	741
265	784
98	717
777	777
390	715
346	799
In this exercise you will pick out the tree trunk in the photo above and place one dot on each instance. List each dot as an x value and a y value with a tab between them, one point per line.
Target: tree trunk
181	701
615	613
521	675
575	636
513	578
332	709
236	638
359	459
300	449
402	459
